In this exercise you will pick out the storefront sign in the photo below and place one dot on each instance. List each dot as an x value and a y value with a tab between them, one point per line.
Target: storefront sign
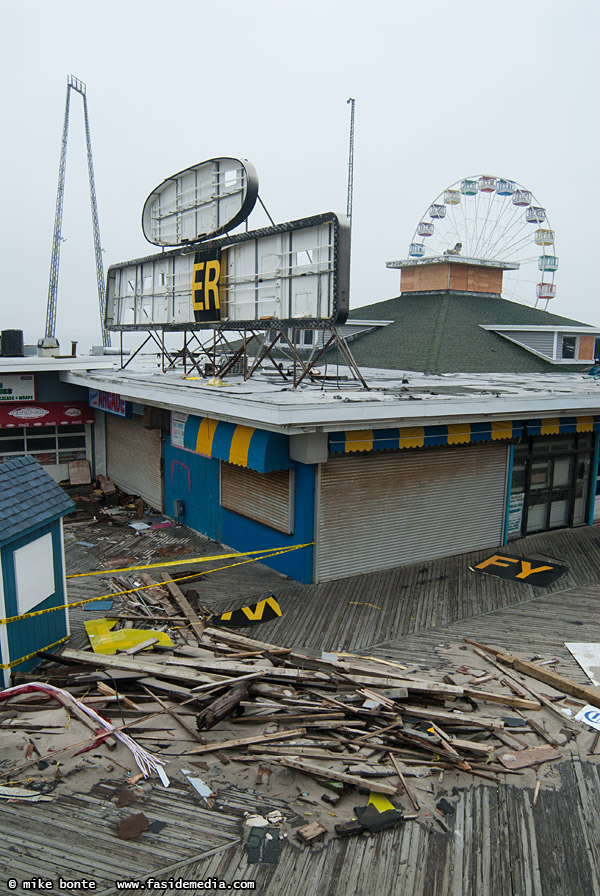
14	387
178	422
515	515
110	402
50	413
532	572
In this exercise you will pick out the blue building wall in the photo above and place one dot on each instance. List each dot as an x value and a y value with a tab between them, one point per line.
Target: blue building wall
28	635
194	479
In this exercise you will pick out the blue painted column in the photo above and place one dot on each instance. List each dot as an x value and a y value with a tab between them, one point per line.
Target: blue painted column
511	454
593	479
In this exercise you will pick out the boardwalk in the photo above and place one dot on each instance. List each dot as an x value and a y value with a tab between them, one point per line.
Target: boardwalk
497	842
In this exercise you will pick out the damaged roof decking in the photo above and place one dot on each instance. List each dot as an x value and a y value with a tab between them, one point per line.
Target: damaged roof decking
395	397
29	497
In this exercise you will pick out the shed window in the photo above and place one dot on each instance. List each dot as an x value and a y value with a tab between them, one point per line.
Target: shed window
569	347
34	573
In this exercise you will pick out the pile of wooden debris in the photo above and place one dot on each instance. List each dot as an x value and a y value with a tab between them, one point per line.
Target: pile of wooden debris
312	728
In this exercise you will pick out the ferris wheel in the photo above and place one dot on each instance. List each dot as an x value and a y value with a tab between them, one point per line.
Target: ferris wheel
494	219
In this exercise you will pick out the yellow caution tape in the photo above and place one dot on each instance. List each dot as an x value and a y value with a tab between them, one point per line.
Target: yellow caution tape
112	572
78	603
31	655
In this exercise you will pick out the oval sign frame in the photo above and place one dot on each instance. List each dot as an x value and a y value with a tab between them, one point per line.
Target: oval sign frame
249	195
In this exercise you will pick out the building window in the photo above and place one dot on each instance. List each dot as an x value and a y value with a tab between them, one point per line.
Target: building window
569	347
48	444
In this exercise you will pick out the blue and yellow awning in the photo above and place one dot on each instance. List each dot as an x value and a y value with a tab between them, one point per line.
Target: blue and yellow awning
422	436
554	426
455	433
241	445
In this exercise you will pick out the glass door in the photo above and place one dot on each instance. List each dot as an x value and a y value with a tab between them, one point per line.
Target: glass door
536	504
550	483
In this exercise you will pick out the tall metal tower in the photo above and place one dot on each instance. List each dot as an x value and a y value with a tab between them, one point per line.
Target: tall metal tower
79	87
351	161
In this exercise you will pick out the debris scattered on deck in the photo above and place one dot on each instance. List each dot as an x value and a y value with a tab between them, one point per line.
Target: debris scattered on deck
199	786
104	640
312	832
588	657
286	720
133	826
590	716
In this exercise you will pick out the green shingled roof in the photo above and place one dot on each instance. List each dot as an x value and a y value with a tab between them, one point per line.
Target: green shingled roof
441	333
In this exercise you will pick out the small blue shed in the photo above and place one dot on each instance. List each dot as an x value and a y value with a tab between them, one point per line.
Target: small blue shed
32	563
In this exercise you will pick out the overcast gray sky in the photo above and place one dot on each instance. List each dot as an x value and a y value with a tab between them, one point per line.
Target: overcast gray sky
443	90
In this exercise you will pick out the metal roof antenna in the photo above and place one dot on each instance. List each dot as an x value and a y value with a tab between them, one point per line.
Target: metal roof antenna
351	161
79	87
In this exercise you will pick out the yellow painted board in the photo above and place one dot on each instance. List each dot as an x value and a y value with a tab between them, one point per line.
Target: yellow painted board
104	640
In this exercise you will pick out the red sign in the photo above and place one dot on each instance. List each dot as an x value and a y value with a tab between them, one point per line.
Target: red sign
48	413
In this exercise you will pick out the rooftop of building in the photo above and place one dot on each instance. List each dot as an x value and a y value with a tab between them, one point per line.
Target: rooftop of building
448	331
335	402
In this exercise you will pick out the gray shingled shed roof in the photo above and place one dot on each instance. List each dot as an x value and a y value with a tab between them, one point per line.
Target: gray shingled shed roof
29	497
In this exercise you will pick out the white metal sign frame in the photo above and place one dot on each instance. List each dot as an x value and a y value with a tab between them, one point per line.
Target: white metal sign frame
292	273
200	202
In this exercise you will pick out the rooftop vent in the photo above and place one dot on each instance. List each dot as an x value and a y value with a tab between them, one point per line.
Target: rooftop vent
12	344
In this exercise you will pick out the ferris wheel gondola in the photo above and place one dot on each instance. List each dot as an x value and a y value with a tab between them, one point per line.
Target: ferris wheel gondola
493	219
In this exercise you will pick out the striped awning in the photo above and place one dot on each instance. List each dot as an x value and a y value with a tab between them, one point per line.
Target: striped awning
241	445
456	433
554	426
422	436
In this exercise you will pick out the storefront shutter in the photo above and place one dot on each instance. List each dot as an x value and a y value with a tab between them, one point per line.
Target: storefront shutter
133	458
385	509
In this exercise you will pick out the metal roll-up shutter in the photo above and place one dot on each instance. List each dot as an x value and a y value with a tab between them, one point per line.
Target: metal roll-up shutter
133	458
265	497
382	510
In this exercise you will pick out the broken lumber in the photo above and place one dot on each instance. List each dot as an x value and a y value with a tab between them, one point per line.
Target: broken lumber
311	832
403	780
529	758
514	702
541	673
244	741
175	715
107	691
543	700
143	666
196	624
225	705
320	772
